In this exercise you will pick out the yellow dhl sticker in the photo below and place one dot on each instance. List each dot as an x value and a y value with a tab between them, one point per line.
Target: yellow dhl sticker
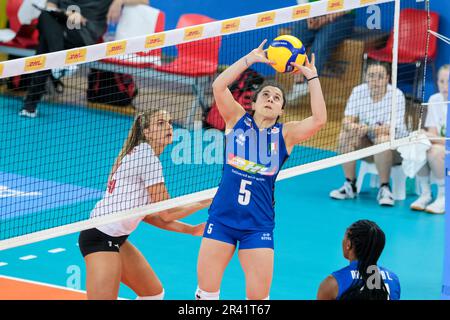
367	1
115	48
35	63
230	25
334	5
76	56
155	40
301	12
265	19
193	33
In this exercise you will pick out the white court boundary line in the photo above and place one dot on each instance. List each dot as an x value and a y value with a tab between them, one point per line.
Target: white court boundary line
116	49
197	196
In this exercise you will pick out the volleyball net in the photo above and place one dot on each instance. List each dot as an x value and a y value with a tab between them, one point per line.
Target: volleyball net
55	167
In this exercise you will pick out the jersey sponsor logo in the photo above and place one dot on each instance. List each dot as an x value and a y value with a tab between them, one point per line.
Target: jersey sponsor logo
75	56
35	63
155	40
250	166
265	19
301	11
334	5
116	48
230	25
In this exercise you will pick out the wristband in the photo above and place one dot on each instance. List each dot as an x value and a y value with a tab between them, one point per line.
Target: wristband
316	77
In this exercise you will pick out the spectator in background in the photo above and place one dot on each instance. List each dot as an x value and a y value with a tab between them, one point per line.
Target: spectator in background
81	28
321	34
435	125
363	279
367	122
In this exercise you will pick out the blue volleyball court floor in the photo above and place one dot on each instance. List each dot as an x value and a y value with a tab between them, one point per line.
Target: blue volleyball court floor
309	225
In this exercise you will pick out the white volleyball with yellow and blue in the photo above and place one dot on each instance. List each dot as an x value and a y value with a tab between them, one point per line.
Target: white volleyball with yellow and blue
286	49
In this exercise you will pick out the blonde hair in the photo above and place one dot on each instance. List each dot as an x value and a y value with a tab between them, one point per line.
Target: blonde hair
135	136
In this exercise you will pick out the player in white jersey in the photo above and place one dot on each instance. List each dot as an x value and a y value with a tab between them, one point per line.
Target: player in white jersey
135	180
435	125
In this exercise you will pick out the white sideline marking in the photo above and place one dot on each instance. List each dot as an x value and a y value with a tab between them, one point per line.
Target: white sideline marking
29	257
57	250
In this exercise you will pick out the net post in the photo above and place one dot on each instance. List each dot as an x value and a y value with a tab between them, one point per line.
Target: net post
395	70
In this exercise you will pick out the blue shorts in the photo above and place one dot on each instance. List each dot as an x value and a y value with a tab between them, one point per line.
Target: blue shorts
247	239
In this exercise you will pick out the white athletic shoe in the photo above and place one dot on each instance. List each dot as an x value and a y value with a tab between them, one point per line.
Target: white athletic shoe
345	192
421	202
437	207
298	90
385	197
27	114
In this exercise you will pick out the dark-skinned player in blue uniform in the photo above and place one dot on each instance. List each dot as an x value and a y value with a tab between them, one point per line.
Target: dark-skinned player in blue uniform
242	213
363	278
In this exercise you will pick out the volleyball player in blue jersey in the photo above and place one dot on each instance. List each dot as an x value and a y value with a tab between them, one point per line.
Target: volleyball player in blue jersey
242	212
362	279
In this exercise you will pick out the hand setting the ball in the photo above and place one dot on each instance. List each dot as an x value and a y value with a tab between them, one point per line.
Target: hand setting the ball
286	49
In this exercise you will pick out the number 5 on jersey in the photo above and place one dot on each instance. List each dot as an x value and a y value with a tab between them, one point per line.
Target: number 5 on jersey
244	194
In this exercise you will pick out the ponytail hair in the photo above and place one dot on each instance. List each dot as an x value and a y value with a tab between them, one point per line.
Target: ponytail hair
368	241
135	136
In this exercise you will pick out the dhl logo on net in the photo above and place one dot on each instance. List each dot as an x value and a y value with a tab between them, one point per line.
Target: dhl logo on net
35	63
193	33
362	2
231	25
265	19
116	48
301	12
155	41
334	5
75	56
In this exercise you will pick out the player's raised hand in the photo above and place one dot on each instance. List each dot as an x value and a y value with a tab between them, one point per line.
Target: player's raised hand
309	69
259	55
